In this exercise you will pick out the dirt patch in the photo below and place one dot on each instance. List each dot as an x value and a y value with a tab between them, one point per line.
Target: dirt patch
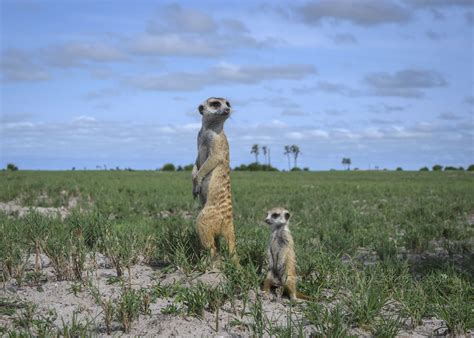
13	208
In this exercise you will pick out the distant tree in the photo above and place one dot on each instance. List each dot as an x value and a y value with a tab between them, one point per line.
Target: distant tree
180	168
188	167
399	169
448	168
470	168
305	169
295	169
168	167
424	169
346	162
117	168
288	153
265	152
11	167
73	168
437	167
255	150
461	168
295	150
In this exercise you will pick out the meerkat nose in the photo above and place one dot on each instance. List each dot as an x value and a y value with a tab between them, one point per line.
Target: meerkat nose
268	221
226	110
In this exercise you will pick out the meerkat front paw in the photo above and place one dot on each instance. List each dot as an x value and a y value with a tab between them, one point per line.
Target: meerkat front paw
196	190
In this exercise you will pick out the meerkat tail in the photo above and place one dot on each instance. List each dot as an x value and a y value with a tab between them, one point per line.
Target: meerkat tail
299	295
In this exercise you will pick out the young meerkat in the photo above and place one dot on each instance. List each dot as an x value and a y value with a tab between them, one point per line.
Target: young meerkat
211	177
281	255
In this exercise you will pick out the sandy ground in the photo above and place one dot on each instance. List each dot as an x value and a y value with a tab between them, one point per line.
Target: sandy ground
53	296
58	296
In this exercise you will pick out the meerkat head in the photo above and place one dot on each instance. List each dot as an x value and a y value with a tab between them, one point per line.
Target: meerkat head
215	108
277	217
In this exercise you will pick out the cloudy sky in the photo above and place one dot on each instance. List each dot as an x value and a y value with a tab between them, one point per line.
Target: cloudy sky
387	83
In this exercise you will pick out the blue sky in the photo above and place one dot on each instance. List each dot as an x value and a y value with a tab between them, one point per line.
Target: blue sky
387	83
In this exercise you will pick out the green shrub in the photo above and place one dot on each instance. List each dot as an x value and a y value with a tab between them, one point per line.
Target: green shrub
168	167
12	167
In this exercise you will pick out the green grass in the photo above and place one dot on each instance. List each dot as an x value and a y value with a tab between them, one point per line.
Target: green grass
400	219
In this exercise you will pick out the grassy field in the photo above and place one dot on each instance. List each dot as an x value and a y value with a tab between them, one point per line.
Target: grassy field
379	252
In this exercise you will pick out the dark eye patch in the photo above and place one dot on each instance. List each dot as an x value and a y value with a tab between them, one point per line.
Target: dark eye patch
275	215
215	104
228	104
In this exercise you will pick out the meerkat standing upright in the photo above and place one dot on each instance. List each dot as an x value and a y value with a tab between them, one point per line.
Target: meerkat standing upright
281	255
211	177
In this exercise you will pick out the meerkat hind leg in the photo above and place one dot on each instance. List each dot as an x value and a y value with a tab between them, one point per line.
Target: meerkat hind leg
229	237
206	231
267	284
290	287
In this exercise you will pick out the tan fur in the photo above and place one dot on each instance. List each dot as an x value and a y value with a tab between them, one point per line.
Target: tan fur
211	180
281	255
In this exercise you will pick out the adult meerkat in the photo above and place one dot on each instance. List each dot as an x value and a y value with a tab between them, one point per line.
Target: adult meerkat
281	255
211	177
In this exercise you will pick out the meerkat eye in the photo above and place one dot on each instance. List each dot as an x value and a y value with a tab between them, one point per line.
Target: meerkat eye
228	104
275	215
215	104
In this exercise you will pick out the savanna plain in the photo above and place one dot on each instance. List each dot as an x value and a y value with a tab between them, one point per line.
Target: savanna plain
93	253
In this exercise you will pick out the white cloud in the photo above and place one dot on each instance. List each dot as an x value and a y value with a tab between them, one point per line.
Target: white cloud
174	44
361	12
223	73
405	83
319	133
175	18
84	119
295	135
344	39
21	66
79	53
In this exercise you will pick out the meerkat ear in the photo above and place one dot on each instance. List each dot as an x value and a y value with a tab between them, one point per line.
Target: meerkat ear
201	108
287	216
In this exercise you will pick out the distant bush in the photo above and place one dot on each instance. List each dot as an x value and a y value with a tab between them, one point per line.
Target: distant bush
470	168
168	167
399	169
180	168
188	167
12	167
437	167
305	169
255	167
424	169
448	168
295	169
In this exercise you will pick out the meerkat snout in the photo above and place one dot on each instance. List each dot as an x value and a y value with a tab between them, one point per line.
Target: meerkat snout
277	217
